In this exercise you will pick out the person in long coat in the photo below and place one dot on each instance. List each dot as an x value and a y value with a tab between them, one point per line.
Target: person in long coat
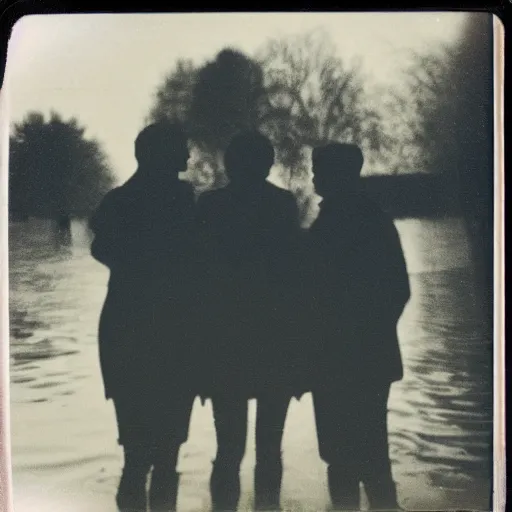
144	232
250	227
360	288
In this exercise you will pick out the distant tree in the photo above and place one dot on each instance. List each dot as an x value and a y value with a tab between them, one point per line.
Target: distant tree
313	97
54	170
454	105
296	90
215	101
420	142
449	108
442	113
226	99
173	97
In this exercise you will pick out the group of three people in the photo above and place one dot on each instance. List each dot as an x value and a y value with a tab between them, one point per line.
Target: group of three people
228	298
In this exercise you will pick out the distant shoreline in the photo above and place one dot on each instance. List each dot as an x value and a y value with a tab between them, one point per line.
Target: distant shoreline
414	195
402	196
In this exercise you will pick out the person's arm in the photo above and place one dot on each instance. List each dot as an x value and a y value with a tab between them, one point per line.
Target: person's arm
399	273
392	279
98	223
105	225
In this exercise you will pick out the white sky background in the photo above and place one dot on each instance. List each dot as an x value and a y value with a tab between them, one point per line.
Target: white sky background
104	68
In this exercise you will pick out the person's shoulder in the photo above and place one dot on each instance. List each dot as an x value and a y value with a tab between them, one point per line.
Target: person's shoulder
384	217
374	210
186	186
186	190
126	191
213	196
123	196
107	207
280	194
277	190
112	197
380	220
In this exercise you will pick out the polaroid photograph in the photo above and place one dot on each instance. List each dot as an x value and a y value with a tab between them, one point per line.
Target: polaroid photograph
253	262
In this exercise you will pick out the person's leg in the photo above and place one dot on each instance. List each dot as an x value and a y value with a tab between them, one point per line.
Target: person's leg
163	492
230	415
270	420
377	476
173	430
336	419
131	493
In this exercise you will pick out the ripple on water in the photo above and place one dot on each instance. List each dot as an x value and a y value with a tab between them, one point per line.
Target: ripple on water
21	380
45	385
47	353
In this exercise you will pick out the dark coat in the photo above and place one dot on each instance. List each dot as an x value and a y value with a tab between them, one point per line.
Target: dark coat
249	239
146	237
360	287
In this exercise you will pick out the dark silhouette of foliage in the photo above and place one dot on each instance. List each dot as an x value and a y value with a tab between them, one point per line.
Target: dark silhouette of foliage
449	108
173	97
471	157
420	143
442	115
225	100
54	170
296	91
215	100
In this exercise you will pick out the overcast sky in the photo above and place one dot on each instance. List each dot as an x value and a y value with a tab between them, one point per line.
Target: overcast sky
104	69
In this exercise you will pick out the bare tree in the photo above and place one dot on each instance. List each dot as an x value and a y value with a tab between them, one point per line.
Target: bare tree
419	143
296	90
313	98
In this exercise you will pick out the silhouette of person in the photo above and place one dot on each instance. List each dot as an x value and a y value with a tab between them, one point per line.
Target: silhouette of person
250	226
63	222
360	292
144	231
62	230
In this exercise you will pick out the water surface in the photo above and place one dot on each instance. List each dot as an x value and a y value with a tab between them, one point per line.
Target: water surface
65	456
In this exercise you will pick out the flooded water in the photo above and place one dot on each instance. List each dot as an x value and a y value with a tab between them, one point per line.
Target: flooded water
64	452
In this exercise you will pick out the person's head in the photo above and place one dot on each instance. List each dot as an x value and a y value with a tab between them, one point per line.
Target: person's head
248	158
162	148
337	168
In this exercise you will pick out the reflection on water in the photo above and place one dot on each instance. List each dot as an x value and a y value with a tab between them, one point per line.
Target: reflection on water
440	414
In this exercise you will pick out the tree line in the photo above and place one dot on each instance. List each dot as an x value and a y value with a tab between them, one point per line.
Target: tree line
54	170
300	93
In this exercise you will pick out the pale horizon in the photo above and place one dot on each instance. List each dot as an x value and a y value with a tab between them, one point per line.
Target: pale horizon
97	67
